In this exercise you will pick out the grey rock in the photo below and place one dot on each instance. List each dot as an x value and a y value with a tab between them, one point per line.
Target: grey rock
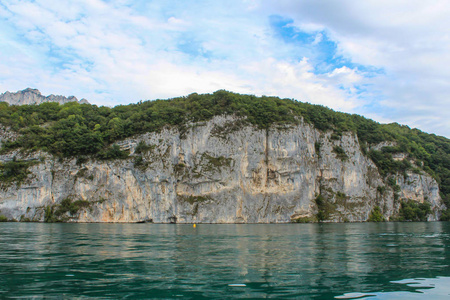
34	96
212	174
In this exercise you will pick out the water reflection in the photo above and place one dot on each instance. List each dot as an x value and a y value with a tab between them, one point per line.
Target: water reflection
218	261
421	288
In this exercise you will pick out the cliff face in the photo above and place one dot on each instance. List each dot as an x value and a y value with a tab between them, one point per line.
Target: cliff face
34	96
217	172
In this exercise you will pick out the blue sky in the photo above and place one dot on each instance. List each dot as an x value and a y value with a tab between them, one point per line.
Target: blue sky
387	60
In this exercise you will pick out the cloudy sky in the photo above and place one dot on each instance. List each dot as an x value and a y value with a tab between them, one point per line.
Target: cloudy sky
388	60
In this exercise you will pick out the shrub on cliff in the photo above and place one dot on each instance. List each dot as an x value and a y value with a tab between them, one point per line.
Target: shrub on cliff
58	212
112	152
376	215
445	216
325	208
14	171
413	211
340	153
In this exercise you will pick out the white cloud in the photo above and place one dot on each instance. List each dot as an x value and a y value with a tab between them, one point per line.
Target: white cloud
286	79
409	40
125	51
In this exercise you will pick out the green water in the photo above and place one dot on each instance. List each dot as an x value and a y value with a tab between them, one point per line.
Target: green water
146	261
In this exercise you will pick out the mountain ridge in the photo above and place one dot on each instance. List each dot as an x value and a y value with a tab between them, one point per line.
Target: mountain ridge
30	96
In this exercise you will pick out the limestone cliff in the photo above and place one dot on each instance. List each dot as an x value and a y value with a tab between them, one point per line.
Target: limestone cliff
34	96
219	171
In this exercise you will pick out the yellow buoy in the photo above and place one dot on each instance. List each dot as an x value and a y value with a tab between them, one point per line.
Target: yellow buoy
194	225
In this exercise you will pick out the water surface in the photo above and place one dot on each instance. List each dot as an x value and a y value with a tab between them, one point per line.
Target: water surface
147	261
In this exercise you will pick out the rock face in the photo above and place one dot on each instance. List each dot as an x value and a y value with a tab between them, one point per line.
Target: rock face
34	96
217	172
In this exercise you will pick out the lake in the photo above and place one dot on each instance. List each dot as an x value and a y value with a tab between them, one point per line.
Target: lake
253	261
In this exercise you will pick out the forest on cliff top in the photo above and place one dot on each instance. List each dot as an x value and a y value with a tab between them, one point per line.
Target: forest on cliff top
80	130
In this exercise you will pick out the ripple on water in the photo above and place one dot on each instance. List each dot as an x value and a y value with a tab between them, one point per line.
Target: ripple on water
417	288
110	261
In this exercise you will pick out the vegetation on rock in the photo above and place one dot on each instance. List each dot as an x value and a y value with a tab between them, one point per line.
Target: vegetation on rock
14	171
340	153
58	212
325	208
143	148
79	130
413	211
376	215
112	152
191	199
446	213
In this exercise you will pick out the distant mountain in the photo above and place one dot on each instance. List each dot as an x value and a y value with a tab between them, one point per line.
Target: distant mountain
34	96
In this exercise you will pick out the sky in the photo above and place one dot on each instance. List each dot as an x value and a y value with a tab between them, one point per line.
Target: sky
388	60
